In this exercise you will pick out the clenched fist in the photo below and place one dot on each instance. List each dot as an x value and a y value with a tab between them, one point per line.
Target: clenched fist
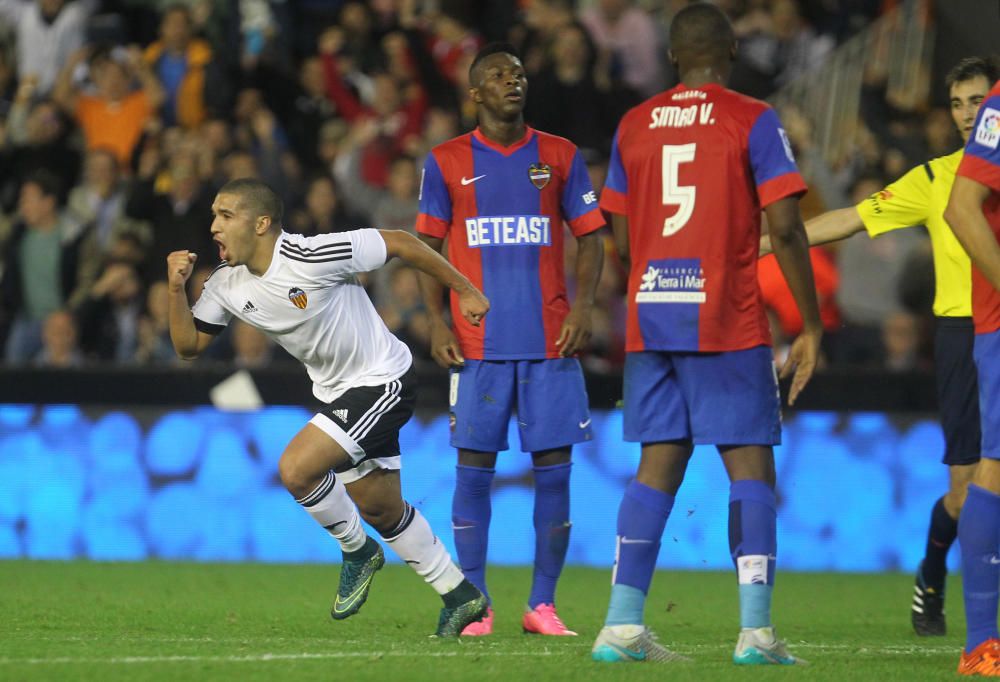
473	305
180	265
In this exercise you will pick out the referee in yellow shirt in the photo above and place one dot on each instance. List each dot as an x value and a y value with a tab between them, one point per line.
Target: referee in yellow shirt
919	198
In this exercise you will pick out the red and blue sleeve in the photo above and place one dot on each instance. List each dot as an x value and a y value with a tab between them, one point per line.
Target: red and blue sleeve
772	161
434	217
614	195
579	202
981	161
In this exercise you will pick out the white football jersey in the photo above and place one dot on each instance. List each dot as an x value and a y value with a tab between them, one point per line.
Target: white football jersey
310	302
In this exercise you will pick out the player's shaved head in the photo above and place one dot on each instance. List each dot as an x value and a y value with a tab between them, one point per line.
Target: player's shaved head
257	197
475	69
701	35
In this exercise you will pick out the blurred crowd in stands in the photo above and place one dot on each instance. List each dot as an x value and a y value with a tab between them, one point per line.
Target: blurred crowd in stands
119	119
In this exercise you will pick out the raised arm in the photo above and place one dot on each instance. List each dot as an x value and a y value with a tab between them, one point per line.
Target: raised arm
403	245
831	226
965	216
155	94
791	247
188	341
64	92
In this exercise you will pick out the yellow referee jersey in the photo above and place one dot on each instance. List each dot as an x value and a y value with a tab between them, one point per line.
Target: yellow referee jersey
919	198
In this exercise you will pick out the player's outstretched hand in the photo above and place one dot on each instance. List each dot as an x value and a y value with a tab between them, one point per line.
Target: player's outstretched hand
575	333
802	360
180	264
473	305
444	346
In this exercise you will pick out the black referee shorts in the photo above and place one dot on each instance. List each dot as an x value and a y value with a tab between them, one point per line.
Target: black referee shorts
365	421
958	389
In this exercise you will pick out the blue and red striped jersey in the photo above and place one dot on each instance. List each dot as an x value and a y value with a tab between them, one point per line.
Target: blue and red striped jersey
691	168
981	163
502	210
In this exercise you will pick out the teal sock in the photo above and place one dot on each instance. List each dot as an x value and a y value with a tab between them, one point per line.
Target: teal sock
626	606
755	606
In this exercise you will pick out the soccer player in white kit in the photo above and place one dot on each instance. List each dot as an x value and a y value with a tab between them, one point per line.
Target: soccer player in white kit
304	294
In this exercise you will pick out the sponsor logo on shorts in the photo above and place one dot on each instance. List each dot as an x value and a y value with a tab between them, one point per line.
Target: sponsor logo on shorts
634	541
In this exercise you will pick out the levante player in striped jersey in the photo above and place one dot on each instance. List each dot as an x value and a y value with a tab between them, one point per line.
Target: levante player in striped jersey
974	214
691	169
919	198
501	196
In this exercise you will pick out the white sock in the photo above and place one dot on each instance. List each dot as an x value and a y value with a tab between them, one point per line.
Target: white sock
330	505
415	543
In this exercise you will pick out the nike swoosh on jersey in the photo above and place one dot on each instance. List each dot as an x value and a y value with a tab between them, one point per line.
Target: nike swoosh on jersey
469	181
342	606
585	424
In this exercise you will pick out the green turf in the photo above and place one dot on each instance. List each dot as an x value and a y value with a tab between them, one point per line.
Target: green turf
163	621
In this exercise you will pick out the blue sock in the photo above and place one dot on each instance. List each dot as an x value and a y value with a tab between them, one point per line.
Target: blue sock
470	518
551	531
978	531
753	544
641	518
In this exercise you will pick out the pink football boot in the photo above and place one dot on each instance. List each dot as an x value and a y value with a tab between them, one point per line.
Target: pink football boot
543	620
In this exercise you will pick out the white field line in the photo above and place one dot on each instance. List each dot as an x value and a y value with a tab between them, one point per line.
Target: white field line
259	658
471	651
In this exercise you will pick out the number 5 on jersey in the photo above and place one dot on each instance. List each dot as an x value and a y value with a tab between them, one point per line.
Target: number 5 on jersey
674	194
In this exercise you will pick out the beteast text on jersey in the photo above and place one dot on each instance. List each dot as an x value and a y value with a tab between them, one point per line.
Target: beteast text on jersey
508	230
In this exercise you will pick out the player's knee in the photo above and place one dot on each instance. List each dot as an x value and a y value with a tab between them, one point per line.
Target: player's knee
296	478
955	499
382	515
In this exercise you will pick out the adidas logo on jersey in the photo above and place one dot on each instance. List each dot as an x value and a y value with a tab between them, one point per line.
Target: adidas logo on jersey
249	308
341	414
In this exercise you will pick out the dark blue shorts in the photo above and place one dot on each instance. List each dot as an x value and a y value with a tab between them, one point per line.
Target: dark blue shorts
550	397
726	398
958	392
987	353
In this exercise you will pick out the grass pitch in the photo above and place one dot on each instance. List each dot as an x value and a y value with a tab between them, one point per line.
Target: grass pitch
164	621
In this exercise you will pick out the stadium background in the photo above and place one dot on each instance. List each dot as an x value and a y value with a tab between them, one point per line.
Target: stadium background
109	449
